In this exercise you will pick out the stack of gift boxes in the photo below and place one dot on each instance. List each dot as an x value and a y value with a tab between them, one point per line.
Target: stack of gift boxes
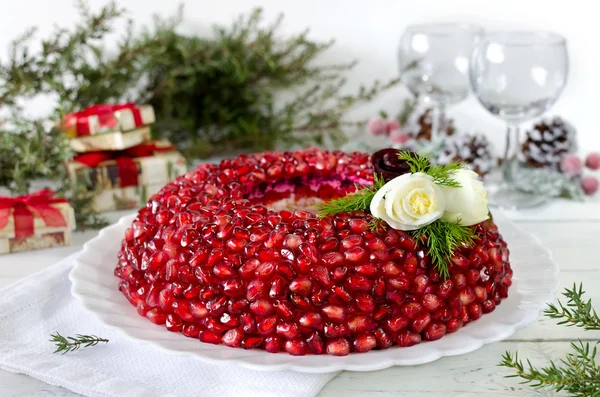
115	160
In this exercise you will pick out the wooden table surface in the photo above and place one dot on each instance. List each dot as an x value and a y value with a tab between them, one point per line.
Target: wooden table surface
570	230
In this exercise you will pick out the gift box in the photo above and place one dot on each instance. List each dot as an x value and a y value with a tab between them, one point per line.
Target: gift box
109	127
110	141
35	221
126	179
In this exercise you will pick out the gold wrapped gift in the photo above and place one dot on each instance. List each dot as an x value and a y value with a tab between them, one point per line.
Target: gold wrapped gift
124	180
34	222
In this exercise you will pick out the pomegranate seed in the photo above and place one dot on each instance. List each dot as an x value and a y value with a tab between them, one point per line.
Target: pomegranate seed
383	339
233	337
267	325
335	330
467	295
338	347
367	270
273	344
191	330
454	325
475	311
420	322
319	297
488	306
480	293
329	245
421	283
296	347
209	337
382	312
455	305
434	331
442	315
365	303
261	307
444	289
284	310
356	255
431	302
156	316
336	314
364	343
321	275
351	242
407	339
197	309
359	324
412	309
395	324
332	259
165	300
311	320
315	343
252	342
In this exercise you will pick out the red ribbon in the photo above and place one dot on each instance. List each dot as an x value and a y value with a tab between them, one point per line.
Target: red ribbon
106	117
126	167
24	209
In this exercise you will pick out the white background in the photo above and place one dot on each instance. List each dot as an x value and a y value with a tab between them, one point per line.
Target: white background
369	31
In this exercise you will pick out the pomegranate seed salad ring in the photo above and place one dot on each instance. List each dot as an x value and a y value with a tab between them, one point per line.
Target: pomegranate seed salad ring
314	252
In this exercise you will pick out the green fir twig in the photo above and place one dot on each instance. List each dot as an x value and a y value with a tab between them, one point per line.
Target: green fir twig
69	343
577	312
577	373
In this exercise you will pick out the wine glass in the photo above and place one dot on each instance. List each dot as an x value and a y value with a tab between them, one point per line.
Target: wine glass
518	76
434	64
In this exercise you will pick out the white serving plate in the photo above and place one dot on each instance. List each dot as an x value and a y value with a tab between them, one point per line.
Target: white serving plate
535	283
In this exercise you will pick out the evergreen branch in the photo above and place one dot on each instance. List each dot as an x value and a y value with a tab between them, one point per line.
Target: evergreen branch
577	373
357	201
442	239
577	311
69	343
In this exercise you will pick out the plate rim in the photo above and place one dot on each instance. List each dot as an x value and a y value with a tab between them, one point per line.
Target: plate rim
530	315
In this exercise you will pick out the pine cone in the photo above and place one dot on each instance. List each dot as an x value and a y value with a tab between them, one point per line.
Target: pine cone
548	143
473	150
421	127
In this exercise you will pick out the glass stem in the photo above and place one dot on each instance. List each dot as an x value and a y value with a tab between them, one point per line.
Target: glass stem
511	154
439	121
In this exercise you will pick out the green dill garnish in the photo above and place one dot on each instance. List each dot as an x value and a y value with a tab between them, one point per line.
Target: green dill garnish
375	224
442	239
441	174
357	201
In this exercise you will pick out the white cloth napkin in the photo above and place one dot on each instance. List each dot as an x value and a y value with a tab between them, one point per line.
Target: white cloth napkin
41	304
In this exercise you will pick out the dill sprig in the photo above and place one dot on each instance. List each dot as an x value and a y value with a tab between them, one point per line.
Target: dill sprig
442	239
577	311
577	373
357	201
69	343
441	174
377	224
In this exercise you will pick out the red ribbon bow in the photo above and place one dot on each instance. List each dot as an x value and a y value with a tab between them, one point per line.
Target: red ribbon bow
126	167
24	209
106	117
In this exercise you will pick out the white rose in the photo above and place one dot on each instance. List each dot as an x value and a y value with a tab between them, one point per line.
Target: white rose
409	202
467	203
